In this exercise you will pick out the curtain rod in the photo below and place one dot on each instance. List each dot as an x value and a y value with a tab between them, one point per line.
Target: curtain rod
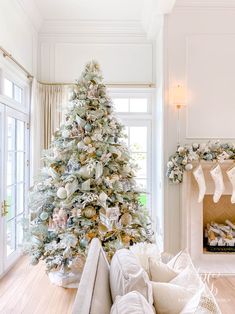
6	54
110	85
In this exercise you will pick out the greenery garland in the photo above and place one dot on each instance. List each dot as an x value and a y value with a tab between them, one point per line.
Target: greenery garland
182	159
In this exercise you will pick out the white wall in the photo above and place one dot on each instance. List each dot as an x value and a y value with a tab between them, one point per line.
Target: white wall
17	35
121	48
200	55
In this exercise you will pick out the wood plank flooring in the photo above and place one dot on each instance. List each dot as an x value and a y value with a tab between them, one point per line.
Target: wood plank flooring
26	289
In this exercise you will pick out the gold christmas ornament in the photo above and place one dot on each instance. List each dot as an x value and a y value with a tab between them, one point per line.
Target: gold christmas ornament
126	239
61	193
82	158
89	211
126	219
87	140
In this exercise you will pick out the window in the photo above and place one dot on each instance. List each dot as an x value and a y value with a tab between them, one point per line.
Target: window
13	91
135	111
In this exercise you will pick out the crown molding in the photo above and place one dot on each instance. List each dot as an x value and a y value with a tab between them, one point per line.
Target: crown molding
206	3
92	27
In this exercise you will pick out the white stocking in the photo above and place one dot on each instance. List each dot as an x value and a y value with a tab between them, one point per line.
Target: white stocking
199	177
231	176
217	177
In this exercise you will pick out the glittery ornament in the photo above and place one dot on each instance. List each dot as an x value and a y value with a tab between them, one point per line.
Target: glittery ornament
89	211
87	140
88	127
44	216
188	167
61	193
83	243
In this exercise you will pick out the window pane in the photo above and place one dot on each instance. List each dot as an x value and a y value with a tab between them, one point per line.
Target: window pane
20	198
18	93
121	104
20	135
10	168
8	88
10	237
20	167
141	160
138	139
142	184
19	230
138	105
11	202
11	133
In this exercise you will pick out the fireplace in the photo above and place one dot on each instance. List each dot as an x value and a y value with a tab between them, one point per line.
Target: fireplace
195	217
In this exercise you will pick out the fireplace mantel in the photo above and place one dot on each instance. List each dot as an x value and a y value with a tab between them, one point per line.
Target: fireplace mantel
192	221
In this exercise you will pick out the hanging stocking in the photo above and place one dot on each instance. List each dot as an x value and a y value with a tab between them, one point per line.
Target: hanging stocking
217	177
199	177
231	176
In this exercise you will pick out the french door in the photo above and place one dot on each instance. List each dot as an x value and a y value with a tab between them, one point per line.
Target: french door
14	178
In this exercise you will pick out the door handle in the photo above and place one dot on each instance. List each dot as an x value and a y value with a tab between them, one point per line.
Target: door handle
4	208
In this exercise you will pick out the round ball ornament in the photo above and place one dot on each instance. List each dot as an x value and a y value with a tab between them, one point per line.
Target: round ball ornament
88	127
102	228
89	212
126	219
61	193
44	216
85	173
188	167
34	261
83	243
87	140
99	153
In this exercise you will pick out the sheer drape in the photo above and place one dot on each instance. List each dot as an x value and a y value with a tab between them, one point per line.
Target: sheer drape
48	103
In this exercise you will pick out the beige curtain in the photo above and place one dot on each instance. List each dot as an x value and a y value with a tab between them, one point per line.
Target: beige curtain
48	105
53	100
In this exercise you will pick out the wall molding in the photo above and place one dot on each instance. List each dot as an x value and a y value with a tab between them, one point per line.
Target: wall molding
206	3
92	27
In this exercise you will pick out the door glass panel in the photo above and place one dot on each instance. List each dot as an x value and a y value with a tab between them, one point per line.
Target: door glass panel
18	94
121	104
19	230
138	138
20	135
20	167
138	105
8	88
11	202
19	198
10	168
10	240
140	159
11	133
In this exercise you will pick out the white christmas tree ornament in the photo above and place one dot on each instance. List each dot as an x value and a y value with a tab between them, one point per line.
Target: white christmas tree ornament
199	177
217	177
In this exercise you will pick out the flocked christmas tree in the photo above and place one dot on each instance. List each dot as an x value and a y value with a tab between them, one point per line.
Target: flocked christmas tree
87	187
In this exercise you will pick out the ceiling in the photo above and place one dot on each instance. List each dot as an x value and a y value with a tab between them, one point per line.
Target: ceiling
90	9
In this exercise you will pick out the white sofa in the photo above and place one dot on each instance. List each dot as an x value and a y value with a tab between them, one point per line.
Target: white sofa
94	295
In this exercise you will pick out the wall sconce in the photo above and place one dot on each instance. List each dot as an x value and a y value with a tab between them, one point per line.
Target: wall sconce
178	100
178	96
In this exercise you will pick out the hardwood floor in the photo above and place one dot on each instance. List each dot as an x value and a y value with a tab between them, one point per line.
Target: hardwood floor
26	289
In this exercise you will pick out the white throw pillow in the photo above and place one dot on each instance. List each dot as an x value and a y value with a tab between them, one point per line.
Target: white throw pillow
144	251
169	298
126	275
180	261
131	303
160	272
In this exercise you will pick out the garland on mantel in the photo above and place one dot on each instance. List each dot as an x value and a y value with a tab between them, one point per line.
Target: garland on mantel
182	159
